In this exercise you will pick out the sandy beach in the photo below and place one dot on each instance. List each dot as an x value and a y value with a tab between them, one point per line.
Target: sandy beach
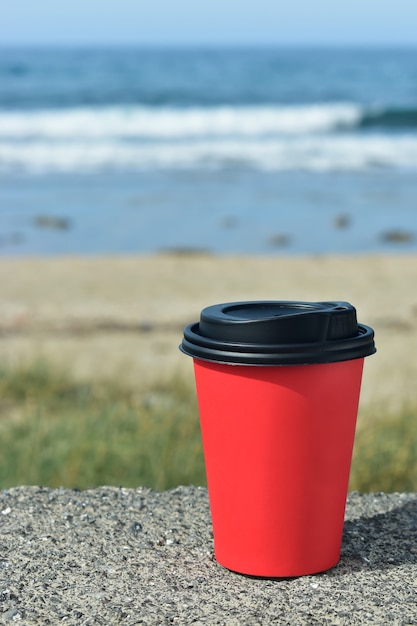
123	316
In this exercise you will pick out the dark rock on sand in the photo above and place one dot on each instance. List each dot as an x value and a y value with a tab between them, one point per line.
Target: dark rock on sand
397	236
53	222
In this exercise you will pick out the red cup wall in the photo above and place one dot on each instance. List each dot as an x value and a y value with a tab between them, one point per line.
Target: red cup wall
278	445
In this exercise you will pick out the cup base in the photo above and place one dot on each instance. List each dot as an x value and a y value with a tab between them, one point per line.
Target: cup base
281	574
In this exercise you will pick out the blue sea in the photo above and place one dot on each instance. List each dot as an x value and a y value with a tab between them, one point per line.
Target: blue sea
260	151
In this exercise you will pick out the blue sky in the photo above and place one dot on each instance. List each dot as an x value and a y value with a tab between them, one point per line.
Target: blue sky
213	22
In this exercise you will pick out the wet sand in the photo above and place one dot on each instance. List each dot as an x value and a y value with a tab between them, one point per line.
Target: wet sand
123	316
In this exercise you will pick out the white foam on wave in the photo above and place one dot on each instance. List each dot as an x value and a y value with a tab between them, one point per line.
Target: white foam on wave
170	123
312	153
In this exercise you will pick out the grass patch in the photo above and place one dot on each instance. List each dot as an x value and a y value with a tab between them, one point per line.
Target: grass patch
385	453
58	432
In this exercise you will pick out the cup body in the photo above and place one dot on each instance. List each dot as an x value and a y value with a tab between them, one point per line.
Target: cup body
278	445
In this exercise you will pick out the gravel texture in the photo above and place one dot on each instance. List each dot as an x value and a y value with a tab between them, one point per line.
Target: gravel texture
125	556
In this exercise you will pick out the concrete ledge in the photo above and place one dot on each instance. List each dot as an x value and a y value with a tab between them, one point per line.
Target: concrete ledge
124	556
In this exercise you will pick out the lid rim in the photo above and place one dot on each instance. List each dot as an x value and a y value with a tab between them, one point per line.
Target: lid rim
284	360
361	345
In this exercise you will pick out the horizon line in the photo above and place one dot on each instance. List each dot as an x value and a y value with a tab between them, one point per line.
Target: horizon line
211	45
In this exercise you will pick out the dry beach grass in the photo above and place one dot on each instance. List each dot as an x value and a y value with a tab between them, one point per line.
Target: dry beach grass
123	317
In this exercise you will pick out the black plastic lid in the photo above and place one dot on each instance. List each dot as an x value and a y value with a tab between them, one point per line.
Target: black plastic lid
278	333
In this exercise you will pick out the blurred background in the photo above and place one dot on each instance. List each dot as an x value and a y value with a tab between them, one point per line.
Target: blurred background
159	157
134	127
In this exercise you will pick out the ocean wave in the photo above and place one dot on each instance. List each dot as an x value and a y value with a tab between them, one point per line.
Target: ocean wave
173	123
310	137
153	123
313	153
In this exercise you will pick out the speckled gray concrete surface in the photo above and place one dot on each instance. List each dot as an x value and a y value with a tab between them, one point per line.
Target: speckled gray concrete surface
124	556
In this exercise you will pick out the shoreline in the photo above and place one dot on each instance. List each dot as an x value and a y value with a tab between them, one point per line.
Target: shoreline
399	250
107	316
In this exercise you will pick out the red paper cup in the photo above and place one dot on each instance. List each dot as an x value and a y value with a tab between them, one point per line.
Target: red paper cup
277	439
